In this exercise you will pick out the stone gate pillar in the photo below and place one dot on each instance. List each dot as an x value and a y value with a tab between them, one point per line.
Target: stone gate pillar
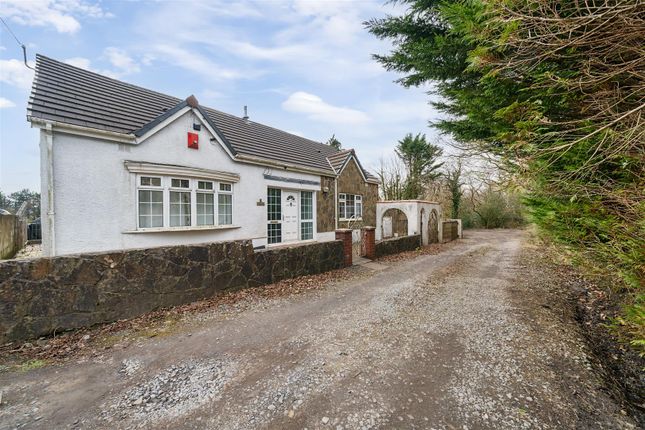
345	234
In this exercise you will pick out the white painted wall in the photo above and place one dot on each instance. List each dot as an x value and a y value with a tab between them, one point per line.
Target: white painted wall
95	195
412	210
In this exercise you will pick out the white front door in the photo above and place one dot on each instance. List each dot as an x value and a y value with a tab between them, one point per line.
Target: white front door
290	216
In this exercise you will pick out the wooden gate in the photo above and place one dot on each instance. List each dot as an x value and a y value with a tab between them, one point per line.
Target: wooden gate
357	243
433	227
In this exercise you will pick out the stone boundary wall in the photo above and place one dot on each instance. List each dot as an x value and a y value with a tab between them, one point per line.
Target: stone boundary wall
46	295
450	231
396	245
13	235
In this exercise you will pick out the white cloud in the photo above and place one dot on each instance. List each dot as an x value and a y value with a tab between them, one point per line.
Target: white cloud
121	60
122	63
318	110
83	63
6	103
296	132
60	14
196	62
14	72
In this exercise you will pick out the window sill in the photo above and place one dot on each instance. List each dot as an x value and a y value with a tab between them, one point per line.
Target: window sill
349	219
180	229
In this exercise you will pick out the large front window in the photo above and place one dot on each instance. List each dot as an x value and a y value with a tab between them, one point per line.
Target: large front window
350	206
183	202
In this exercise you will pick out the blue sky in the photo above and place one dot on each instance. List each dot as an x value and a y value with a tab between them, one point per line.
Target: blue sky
301	66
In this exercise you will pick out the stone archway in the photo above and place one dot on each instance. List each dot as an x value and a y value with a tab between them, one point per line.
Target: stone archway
394	223
433	227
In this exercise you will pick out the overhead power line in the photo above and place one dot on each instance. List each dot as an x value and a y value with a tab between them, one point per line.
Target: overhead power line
22	45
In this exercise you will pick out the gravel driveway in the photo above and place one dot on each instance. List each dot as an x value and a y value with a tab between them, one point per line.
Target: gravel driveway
469	338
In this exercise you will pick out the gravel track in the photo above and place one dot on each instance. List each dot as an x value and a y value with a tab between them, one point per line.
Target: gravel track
469	338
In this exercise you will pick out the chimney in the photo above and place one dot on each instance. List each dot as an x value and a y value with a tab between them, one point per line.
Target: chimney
246	115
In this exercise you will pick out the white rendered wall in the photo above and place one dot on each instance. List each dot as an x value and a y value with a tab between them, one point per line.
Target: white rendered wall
412	210
95	195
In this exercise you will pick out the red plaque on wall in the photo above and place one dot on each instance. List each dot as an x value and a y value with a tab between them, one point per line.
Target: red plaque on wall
193	140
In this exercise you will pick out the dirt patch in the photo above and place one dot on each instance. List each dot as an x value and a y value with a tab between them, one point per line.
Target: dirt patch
564	298
623	368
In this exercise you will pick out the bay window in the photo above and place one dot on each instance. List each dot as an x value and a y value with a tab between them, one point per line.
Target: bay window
165	201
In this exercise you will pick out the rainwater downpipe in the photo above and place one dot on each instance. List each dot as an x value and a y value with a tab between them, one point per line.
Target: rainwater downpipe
49	141
336	202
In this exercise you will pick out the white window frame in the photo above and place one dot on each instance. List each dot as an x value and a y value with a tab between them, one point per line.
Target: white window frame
160	187
313	219
310	220
193	188
191	203
224	192
211	192
358	202
276	221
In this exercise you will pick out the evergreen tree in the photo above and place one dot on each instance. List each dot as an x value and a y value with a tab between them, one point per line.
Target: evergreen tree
554	90
421	161
335	143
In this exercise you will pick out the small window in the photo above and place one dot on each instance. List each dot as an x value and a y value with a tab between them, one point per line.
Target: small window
205	209
274	233
148	181
180	183
350	206
179	209
150	209
226	187
204	185
225	209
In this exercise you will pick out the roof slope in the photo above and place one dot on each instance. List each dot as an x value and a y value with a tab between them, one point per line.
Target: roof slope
71	95
338	159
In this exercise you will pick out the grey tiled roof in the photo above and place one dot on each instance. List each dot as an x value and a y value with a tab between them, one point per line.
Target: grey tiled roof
338	159
71	95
